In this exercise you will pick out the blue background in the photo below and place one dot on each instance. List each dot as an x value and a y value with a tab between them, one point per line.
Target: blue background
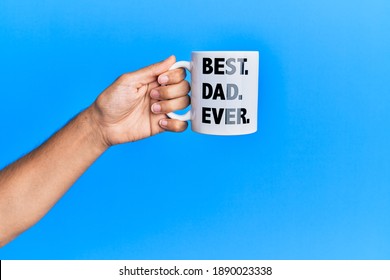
312	183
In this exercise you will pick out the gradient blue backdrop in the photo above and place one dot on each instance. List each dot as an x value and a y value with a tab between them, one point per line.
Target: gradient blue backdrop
312	183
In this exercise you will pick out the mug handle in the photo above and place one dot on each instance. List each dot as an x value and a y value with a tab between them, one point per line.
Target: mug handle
187	116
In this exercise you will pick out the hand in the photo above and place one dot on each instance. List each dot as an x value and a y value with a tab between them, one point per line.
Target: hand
132	108
135	105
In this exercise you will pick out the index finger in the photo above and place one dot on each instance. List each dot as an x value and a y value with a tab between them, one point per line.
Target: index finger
170	77
148	74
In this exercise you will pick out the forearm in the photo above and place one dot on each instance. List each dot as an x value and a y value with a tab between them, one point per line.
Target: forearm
33	184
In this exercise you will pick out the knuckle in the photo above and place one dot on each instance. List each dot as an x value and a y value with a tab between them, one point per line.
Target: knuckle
175	126
178	74
180	103
186	86
123	77
184	126
166	106
179	126
175	91
187	100
165	93
182	73
153	69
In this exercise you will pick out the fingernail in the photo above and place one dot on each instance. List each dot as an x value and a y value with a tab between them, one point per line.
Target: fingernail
163	79
156	108
154	94
163	123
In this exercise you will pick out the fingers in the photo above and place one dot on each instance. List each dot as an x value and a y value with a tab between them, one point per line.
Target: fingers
171	96
150	73
172	91
167	106
173	125
172	76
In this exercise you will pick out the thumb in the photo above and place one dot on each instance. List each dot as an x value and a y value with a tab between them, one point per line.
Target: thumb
151	72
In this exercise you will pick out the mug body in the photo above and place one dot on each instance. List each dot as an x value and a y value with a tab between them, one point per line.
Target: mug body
224	90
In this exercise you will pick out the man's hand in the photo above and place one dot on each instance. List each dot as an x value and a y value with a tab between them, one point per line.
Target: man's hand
132	108
135	105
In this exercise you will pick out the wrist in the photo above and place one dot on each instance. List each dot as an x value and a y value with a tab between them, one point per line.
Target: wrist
93	129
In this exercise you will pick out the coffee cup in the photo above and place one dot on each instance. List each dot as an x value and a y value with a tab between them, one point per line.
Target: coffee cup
224	92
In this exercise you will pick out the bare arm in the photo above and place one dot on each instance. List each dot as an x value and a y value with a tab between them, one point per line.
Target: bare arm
33	184
132	108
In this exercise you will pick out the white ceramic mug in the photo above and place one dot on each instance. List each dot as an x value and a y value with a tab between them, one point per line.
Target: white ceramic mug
224	92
